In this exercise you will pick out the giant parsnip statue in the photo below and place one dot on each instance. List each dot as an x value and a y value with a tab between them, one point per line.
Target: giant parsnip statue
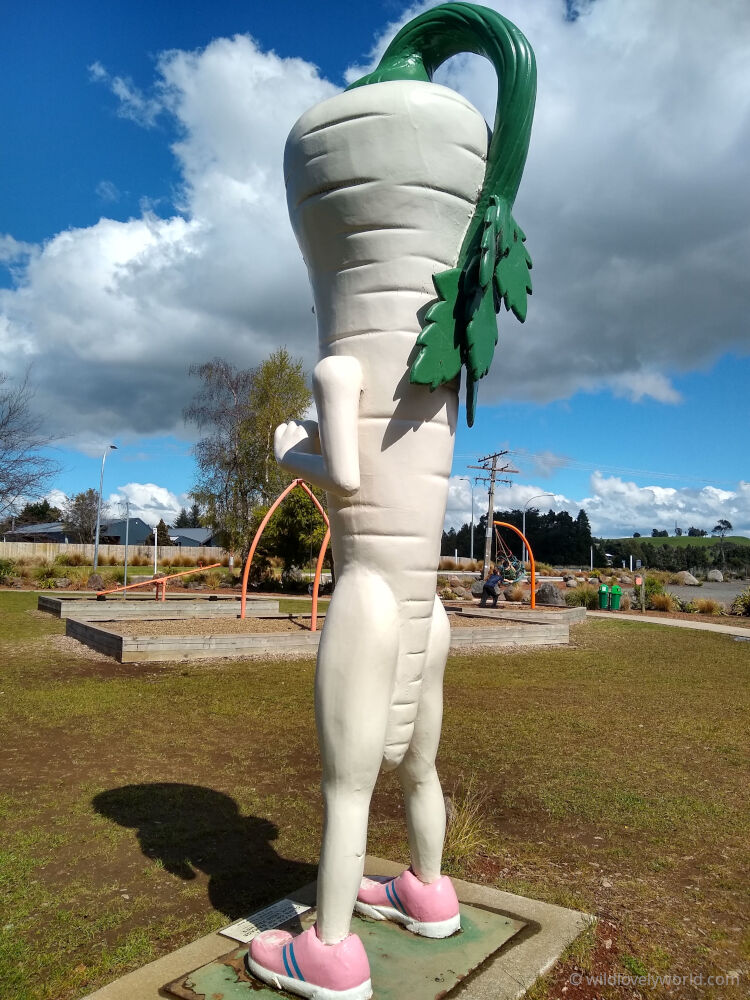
401	201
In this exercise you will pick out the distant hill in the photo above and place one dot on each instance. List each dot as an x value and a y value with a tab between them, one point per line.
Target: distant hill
681	541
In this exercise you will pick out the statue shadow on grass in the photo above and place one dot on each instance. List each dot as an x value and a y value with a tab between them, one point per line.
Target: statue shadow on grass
192	829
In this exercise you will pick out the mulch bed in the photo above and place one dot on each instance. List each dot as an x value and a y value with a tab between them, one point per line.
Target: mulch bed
253	626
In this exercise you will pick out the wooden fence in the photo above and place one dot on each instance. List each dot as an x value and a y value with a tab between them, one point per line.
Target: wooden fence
49	550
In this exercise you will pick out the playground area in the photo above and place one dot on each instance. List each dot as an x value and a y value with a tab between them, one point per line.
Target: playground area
213	628
147	804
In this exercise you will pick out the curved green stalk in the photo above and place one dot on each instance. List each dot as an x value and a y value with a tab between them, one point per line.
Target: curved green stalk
461	326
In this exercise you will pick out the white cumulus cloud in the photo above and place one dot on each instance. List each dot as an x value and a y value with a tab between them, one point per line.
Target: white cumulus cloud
635	201
148	501
616	507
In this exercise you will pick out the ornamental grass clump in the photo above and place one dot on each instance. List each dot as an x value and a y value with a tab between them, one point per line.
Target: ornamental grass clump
7	570
705	606
663	602
584	596
741	604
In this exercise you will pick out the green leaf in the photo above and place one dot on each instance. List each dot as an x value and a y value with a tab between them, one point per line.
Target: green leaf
481	336
439	360
472	388
512	278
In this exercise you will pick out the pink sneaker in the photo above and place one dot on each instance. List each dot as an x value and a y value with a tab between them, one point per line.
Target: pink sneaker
306	966
429	910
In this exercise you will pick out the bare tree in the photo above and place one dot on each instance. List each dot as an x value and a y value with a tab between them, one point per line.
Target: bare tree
25	473
79	515
238	410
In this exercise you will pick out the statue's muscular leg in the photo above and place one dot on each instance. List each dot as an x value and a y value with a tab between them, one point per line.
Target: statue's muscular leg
353	685
425	806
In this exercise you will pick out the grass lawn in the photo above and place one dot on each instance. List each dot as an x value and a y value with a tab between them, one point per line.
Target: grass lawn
142	806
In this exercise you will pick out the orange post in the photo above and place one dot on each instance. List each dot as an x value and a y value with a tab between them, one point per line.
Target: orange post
316	585
261	528
524	539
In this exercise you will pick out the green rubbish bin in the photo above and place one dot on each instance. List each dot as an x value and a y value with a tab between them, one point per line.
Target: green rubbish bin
614	601
603	597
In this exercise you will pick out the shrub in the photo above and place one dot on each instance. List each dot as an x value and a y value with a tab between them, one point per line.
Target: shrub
705	606
515	593
653	588
624	603
71	559
448	563
663	602
45	575
686	606
137	560
7	570
544	569
741	604
79	579
584	596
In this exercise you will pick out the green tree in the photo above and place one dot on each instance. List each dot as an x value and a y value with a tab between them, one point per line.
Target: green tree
182	520
38	513
295	532
162	535
194	517
721	528
239	409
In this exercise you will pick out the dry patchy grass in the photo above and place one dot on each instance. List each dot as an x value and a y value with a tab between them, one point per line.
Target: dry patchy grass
145	805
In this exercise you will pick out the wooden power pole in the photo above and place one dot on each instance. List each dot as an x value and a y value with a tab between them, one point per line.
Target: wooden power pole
489	465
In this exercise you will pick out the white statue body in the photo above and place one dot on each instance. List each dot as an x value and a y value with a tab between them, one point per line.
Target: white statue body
381	182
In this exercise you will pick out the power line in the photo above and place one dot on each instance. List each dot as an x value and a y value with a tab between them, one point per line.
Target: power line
586	466
490	466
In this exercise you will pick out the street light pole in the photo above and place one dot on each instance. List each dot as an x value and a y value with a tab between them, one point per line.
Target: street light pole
112	447
466	478
523	529
127	529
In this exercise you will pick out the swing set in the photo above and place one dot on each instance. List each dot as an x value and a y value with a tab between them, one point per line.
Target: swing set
502	547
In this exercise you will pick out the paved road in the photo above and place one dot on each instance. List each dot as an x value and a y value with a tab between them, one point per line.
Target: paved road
723	592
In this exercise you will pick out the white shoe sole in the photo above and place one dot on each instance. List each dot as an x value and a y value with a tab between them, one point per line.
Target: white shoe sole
304	989
435	929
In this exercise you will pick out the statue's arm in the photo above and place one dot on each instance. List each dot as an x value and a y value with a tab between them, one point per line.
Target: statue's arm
326	454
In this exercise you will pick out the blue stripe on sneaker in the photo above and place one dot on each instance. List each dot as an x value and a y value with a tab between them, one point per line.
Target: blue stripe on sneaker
294	961
396	897
286	964
396	906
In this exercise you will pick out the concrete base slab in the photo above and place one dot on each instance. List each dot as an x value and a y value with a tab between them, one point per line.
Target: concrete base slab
504	975
401	964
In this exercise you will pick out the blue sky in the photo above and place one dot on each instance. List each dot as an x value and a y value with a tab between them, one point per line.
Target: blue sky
625	389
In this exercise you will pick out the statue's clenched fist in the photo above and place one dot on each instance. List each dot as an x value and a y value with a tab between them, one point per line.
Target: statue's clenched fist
300	436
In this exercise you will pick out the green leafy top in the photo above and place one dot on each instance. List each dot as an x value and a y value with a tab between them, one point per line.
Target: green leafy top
493	264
